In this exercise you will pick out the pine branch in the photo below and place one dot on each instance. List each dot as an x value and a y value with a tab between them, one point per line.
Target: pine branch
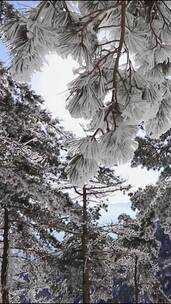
119	49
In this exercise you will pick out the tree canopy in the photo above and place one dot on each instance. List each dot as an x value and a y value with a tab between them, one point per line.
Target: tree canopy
122	86
123	49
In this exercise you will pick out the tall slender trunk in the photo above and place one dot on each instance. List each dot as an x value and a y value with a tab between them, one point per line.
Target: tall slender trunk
136	288
4	267
85	239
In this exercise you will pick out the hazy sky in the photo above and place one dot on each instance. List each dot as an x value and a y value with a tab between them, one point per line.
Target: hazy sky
51	83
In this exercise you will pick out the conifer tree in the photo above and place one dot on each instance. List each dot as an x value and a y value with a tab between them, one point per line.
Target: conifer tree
153	202
136	260
123	49
30	165
155	154
85	276
34	209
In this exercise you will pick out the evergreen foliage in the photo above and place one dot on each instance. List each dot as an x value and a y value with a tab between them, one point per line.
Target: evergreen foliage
123	49
35	207
155	154
31	160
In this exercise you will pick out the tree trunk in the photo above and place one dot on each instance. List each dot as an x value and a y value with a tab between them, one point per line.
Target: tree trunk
4	267
85	238
136	288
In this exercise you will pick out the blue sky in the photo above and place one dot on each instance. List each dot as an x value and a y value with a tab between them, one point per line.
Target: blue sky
21	5
4	54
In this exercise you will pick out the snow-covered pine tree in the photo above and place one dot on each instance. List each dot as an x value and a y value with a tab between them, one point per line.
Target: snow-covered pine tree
31	164
155	154
130	259
153	202
123	48
31	143
34	211
136	261
85	264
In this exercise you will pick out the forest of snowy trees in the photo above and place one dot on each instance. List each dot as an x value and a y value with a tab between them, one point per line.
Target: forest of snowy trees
54	185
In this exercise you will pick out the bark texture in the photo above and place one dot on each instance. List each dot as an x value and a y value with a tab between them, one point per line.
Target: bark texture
86	266
4	267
